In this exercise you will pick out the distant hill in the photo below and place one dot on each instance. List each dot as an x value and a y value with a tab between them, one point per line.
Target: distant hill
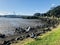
11	16
18	16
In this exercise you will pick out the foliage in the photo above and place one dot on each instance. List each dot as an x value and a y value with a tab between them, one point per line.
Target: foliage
52	38
37	14
54	12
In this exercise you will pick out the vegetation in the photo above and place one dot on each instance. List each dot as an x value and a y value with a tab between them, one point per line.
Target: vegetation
37	14
53	12
50	38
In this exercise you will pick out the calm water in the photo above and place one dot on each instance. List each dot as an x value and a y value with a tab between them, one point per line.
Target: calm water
8	25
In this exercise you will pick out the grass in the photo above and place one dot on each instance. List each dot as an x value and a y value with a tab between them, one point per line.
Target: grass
23	42
49	38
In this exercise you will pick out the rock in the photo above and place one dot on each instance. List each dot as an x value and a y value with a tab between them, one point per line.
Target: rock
32	35
2	35
18	38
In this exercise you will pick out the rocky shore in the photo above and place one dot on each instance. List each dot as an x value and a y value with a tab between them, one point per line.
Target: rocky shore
31	32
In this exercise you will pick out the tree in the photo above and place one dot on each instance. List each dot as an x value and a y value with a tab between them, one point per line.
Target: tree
54	11
37	14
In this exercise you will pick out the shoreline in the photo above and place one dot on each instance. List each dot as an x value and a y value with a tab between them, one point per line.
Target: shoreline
29	40
32	33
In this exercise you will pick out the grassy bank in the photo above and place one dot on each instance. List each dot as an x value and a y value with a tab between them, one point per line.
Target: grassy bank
49	38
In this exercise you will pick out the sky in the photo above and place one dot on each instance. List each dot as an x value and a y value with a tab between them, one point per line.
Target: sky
26	7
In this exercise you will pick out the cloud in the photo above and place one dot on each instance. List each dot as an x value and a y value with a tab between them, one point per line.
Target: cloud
5	13
53	5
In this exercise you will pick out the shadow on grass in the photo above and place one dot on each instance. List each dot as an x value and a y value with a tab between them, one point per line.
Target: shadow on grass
37	39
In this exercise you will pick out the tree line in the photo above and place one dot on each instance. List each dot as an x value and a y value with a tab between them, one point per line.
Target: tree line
53	12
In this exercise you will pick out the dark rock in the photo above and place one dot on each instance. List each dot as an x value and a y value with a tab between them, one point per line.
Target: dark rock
2	35
18	38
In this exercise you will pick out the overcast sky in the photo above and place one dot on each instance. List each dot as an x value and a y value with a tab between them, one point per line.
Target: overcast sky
26	7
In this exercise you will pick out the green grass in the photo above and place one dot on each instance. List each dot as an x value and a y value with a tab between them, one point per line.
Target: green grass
52	38
49	38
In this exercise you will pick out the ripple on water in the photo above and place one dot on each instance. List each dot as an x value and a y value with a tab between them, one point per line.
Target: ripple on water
7	25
